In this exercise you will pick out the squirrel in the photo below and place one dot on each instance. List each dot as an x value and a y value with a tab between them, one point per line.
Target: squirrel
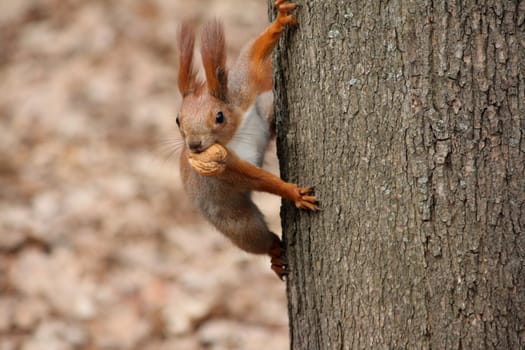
225	123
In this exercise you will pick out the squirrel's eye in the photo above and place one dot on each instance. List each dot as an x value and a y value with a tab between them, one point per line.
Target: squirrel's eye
219	118
177	121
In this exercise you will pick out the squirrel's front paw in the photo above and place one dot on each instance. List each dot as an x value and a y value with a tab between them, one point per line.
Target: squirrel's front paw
210	162
283	8
306	199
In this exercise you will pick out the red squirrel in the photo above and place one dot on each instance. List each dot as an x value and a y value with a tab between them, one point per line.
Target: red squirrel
225	123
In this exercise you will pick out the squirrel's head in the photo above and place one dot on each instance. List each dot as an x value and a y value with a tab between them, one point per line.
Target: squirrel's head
206	116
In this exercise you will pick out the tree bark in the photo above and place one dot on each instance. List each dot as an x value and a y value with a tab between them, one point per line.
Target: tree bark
408	117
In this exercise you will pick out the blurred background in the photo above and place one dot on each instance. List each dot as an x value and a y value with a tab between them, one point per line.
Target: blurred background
99	247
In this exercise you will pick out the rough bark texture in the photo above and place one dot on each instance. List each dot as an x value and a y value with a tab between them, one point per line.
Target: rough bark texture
409	118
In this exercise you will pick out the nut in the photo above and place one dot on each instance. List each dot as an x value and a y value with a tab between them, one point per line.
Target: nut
210	162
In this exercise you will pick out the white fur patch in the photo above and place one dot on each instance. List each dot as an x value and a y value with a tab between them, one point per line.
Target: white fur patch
251	138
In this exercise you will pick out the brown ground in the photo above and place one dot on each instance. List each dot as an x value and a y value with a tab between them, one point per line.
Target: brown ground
99	248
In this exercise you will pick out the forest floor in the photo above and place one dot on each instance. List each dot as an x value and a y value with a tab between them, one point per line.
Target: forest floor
99	247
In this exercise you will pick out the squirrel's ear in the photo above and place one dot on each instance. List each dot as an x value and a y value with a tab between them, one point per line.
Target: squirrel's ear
187	78
213	52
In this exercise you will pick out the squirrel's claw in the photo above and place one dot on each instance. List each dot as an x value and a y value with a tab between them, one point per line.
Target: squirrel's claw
280	271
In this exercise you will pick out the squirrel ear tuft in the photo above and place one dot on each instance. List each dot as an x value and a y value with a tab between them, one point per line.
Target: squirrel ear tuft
213	52
187	78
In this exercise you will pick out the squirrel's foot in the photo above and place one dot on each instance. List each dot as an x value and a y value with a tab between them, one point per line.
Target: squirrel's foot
283	8
306	199
278	260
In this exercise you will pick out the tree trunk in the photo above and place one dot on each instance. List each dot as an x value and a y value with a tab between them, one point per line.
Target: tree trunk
409	120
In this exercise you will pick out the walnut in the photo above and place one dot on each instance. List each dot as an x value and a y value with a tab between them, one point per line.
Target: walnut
210	162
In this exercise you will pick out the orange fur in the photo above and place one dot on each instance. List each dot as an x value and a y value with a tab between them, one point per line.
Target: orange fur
213	52
266	81
187	78
253	67
251	178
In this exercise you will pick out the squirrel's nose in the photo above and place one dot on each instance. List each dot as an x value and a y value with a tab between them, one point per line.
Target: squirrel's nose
195	146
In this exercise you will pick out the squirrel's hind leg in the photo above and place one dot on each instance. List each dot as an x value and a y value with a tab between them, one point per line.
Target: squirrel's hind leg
278	259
